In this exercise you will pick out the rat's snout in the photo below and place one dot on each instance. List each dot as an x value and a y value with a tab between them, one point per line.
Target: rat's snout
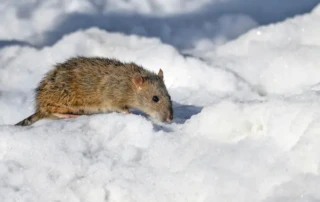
163	114
169	117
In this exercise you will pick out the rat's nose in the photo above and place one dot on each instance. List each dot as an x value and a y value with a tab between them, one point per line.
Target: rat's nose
169	117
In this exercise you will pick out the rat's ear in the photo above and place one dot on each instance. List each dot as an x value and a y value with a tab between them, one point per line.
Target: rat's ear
138	80
160	73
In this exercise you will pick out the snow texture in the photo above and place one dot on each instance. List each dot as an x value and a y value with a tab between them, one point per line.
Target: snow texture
246	99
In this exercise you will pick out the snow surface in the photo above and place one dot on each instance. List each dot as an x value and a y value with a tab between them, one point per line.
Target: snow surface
246	112
182	23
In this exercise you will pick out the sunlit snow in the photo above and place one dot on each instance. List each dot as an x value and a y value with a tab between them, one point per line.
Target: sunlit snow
246	100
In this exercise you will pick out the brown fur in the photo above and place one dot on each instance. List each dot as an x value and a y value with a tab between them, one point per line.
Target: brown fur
83	86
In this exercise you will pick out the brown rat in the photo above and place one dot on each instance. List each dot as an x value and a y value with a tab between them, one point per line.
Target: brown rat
84	86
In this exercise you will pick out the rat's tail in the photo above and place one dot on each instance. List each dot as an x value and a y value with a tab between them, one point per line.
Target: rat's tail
30	120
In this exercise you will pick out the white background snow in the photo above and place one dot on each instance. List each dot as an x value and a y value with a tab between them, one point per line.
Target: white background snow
244	76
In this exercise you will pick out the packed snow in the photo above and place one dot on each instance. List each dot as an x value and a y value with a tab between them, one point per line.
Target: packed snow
246	110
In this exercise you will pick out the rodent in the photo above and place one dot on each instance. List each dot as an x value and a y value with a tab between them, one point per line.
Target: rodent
91	85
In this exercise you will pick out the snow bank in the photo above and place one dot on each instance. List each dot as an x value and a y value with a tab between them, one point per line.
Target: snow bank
182	23
246	122
259	149
277	59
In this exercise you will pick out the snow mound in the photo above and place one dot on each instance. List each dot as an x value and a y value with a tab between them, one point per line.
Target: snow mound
182	23
249	155
280	58
246	121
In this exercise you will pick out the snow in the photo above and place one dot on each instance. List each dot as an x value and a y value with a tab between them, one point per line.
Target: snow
246	105
181	23
269	54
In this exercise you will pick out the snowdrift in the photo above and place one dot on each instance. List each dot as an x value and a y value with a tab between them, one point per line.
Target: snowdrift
246	123
181	23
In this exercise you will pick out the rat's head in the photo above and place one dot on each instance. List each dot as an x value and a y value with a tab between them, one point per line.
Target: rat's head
152	97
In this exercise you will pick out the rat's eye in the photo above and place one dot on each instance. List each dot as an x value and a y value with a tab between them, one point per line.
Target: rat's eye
155	98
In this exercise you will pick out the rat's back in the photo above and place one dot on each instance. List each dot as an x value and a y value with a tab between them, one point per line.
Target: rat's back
86	81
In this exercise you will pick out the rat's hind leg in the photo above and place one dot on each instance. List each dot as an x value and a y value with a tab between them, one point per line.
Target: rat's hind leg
65	116
62	111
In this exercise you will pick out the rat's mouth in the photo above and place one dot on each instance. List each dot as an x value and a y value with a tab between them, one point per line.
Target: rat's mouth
164	117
